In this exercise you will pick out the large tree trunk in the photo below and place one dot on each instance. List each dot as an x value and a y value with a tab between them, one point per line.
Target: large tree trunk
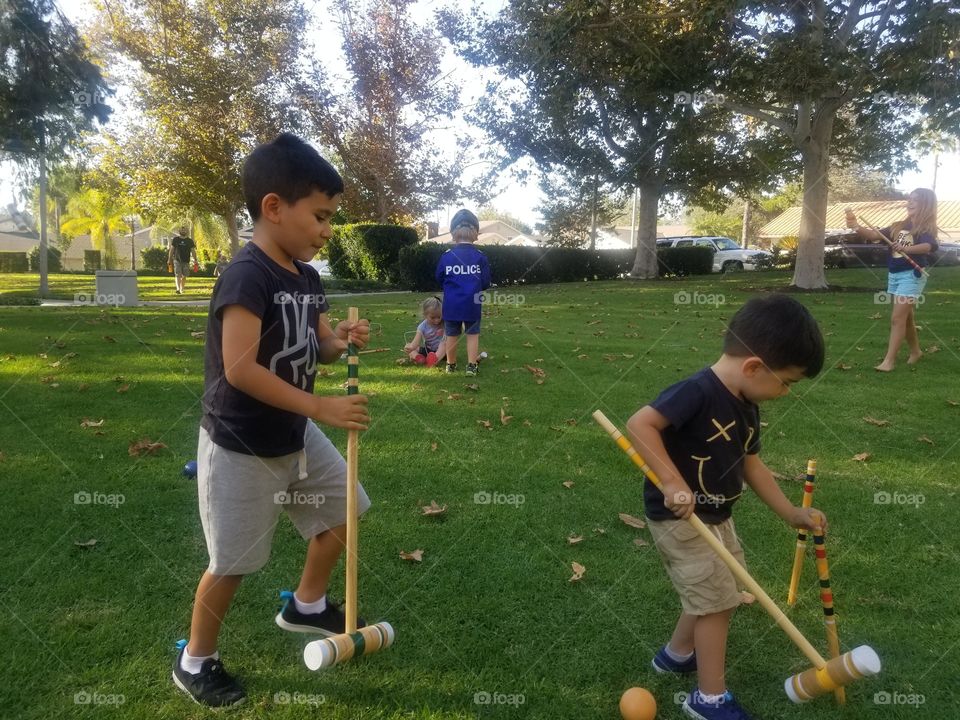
745	228
593	217
230	218
808	273
645	264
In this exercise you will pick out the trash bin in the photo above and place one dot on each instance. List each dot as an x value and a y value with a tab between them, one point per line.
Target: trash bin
117	287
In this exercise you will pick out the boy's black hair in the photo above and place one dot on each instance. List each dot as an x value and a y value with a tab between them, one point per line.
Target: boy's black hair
779	330
290	168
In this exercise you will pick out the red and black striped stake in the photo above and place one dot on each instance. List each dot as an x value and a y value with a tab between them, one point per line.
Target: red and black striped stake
826	598
802	533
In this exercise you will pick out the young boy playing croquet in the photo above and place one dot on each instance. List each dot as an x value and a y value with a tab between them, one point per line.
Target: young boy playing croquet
702	437
464	273
259	449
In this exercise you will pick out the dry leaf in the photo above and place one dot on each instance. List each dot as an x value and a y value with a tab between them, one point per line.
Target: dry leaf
932	349
568	484
486	423
109	339
570	421
454	396
473	386
953	403
123	388
434	509
197	333
600	531
632	521
862	457
582	357
504	418
415	556
88	423
83	386
88	544
578	571
527	423
144	447
433	447
843	366
526	344
640	542
875	316
746	598
537	372
925	439
47	379
574	539
874	421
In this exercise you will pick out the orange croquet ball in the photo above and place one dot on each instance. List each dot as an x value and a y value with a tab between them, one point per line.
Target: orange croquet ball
638	704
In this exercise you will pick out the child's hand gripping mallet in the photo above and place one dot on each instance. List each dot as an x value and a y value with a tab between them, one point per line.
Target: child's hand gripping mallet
340	648
917	270
802	533
823	677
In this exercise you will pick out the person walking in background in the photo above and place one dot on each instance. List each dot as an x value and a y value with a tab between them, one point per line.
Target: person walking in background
182	248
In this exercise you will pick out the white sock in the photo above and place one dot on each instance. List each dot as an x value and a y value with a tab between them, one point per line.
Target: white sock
310	608
711	699
676	657
192	664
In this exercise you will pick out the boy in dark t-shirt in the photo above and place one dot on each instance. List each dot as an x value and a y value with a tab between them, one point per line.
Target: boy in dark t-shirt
702	436
259	451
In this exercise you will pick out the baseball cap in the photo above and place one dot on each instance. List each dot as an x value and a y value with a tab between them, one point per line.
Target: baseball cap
464	217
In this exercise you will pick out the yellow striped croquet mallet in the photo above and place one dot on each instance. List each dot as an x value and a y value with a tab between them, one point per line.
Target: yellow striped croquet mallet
802	533
823	677
826	598
352	643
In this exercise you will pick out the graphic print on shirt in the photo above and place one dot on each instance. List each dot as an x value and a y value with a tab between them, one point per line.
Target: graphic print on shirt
905	237
723	431
297	361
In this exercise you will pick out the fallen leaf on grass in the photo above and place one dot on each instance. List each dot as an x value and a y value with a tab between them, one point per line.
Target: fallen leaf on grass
88	423
574	539
640	542
876	316
526	344
486	423
874	421
568	484
88	544
144	447
3	456
475	387
454	396
434	509
47	379
953	403
932	349
415	556
925	439
862	457
582	357
527	423
433	447
123	388
109	339
504	418
632	521
197	333
843	366
537	372
578	571
600	531
570	421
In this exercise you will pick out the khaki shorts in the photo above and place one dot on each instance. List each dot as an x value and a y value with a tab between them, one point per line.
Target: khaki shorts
702	580
181	267
241	497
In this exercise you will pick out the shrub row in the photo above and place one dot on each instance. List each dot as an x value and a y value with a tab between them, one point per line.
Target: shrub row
366	251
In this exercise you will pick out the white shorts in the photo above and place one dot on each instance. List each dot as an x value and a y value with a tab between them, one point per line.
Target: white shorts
241	497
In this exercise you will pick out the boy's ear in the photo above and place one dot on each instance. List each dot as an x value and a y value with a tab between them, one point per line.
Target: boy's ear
270	207
751	365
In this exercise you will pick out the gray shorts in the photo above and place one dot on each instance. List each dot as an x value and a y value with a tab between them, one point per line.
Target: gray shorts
181	268
241	497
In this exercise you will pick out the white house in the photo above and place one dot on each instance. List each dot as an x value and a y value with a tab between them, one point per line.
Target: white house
495	232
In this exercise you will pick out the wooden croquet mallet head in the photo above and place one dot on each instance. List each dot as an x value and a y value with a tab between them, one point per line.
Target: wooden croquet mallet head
823	677
351	643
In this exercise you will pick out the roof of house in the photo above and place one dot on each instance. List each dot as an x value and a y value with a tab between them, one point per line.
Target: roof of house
494	232
880	213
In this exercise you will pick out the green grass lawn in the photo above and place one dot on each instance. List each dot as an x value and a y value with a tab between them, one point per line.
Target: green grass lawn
489	610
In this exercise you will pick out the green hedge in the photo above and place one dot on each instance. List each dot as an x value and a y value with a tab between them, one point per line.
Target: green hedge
366	251
513	265
54	263
14	262
155	258
92	260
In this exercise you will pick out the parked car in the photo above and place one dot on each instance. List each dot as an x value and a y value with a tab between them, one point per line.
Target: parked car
847	250
727	255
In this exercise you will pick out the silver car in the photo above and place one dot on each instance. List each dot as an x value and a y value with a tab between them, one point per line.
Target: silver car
727	255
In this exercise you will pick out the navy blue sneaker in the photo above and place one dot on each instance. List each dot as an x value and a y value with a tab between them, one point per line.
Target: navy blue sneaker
212	686
663	663
331	621
727	709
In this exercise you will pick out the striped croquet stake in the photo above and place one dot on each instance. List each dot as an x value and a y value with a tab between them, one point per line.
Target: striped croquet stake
352	643
826	597
823	677
802	533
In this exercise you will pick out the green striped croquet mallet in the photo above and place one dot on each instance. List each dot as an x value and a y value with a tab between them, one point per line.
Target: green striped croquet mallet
826	598
352	643
802	533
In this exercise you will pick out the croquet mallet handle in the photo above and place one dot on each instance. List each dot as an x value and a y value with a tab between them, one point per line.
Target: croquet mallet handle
729	560
353	455
889	242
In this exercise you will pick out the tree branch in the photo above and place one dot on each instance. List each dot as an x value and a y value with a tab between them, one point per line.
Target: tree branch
756	112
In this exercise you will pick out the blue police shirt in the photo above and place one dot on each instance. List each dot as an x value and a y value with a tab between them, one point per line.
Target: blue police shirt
463	274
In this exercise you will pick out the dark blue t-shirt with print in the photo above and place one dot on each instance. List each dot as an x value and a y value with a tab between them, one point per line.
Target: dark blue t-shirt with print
896	261
711	431
289	306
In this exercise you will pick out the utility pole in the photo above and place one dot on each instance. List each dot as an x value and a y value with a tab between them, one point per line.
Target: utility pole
44	286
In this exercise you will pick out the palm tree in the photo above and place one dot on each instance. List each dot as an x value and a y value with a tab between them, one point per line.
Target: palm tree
101	215
209	231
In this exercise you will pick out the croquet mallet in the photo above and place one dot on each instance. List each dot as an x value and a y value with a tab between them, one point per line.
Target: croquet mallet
352	643
802	533
823	677
916	268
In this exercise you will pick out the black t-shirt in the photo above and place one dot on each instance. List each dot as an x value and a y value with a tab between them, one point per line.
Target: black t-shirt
289	306
710	432
181	248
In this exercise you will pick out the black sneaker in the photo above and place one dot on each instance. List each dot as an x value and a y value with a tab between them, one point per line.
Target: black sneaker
451	368
212	686
331	621
473	369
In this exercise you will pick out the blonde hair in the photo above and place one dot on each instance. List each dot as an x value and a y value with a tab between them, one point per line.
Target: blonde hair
925	219
429	305
465	233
